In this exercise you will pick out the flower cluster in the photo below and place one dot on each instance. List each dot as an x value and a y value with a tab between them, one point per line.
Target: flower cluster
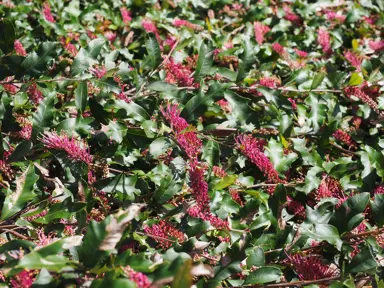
345	138
164	230
270	82
179	74
185	23
252	148
139	278
311	267
47	13
353	58
359	93
76	150
188	140
34	93
126	15
291	16
98	72
19	48
377	46
324	40
296	208
334	16
329	187
24	279
260	31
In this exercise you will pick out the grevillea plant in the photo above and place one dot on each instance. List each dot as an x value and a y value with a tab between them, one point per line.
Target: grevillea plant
191	143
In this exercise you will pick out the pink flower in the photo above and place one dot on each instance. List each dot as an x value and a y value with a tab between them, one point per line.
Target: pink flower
172	114
76	150
164	230
329	187
110	35
198	185
34	94
379	189
44	240
359	93
10	88
47	13
179	74
185	23
270	82
225	106
196	212
296	208
293	103
377	46
218	172
139	278
331	15
353	58
324	40
126	15
290	15
26	132
343	137
301	54
260	31
149	26
279	49
236	196
6	169
71	49
98	72
19	48
250	147
24	279
170	41
33	217
310	267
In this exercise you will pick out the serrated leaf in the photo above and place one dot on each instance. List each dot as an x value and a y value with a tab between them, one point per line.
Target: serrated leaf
81	96
16	200
161	86
153	50
42	118
87	56
204	61
356	79
7	36
263	275
246	60
225	182
317	80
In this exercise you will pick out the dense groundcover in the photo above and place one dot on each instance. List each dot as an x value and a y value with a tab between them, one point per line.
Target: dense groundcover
178	143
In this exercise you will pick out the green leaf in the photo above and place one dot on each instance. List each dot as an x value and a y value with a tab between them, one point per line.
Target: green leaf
322	232
317	80
280	161
183	276
203	99
255	257
81	96
161	86
239	105
246	60
133	110
153	50
7	36
378	209
21	150
15	201
211	152
263	275
116	131
113	283
225	182
98	111
119	184
204	62
318	111
362	262
87	56
349	214
35	64
43	117
371	159
102	237
159	146
356	79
